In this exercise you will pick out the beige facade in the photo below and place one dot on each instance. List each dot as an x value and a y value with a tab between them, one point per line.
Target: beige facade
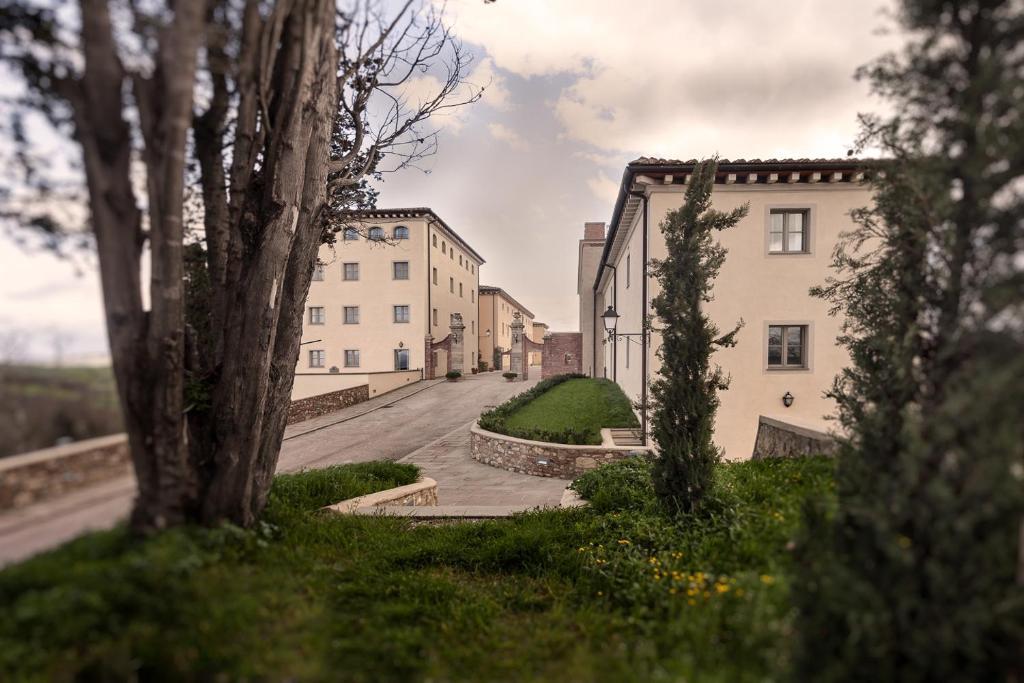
782	248
397	278
589	260
539	330
495	311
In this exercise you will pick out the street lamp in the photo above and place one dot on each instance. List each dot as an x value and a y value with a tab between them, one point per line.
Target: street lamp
787	399
611	321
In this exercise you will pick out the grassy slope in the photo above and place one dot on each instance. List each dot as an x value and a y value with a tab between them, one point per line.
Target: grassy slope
613	593
582	404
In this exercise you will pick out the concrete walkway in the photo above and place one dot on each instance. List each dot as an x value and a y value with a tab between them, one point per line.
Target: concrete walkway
425	423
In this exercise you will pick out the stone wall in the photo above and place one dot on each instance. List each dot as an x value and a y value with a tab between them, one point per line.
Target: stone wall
423	492
315	406
563	354
778	439
540	458
51	472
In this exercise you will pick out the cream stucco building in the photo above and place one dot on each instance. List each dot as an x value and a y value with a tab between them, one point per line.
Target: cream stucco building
539	331
495	311
390	280
787	345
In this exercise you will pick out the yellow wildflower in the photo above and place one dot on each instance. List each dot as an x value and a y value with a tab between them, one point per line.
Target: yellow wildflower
767	579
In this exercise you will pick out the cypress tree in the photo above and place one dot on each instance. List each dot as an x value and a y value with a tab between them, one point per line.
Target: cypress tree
914	577
684	395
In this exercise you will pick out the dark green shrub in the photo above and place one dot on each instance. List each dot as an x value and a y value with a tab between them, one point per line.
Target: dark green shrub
510	375
623	485
453	375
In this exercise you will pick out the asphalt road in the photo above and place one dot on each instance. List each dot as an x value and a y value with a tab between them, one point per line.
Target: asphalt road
387	427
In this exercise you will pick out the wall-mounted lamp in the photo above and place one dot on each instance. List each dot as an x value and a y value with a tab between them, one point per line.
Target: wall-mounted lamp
787	399
401	345
611	320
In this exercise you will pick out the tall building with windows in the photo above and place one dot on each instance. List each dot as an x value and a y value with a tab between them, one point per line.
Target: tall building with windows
787	345
390	280
497	307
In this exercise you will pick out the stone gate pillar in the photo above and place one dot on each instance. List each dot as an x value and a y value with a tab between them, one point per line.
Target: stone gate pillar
518	355
456	357
428	357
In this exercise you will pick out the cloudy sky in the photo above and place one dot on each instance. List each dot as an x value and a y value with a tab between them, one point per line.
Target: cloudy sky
577	89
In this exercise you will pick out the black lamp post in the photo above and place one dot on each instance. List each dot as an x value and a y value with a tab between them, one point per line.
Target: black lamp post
611	321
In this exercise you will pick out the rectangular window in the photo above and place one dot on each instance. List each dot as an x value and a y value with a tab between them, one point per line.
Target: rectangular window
351	271
627	271
787	346
433	238
400	270
435	276
351	315
401	314
472	295
787	231
434	316
460	290
451	254
317	359
627	352
460	259
316	315
351	358
318	272
472	268
472	327
451	285
401	359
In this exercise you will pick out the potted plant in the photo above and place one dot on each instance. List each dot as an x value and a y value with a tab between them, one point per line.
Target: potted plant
453	375
510	375
474	370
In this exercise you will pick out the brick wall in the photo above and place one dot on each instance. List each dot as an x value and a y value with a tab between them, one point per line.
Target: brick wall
314	406
563	353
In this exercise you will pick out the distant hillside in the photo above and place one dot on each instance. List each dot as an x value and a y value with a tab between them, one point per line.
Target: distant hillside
40	406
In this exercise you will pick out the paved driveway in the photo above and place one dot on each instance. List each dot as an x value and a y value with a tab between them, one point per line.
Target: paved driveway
428	422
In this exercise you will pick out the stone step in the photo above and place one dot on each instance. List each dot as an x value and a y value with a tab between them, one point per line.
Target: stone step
626	437
446	511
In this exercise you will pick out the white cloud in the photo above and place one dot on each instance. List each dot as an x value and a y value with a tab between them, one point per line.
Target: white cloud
502	132
484	75
604	187
691	79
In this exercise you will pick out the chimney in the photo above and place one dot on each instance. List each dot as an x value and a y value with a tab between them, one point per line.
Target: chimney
593	231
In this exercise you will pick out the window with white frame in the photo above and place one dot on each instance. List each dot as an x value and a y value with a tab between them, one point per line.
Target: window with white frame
351	358
788	231
317	358
787	346
401	359
400	270
318	272
351	315
350	271
401	314
316	315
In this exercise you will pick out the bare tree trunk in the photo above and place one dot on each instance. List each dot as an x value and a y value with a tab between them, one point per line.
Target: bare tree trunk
254	377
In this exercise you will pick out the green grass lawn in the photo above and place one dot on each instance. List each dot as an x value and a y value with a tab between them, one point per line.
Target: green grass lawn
613	592
582	405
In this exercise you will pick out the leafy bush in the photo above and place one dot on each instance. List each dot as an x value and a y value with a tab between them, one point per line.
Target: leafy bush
624	485
453	375
510	375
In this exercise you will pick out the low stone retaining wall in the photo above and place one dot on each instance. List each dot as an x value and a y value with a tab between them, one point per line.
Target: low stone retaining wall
541	458
778	439
31	477
423	492
315	406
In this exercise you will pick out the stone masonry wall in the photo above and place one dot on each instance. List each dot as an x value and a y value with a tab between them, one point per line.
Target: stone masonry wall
31	477
315	406
540	458
778	439
563	353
